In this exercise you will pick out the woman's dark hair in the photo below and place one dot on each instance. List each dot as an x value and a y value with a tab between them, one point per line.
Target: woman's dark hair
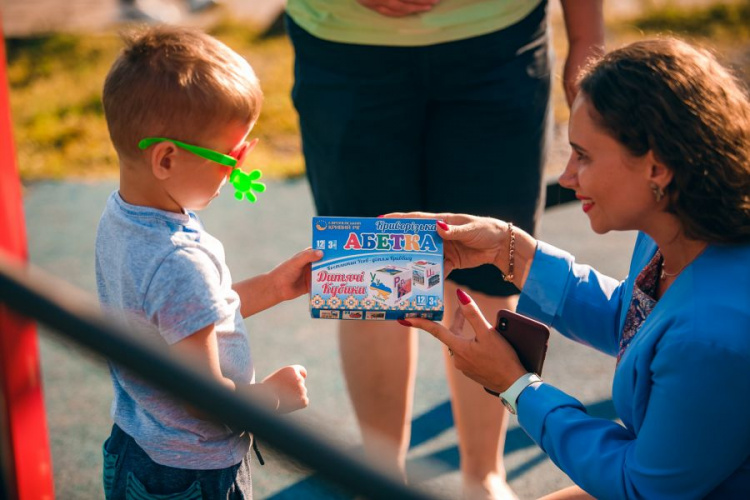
676	100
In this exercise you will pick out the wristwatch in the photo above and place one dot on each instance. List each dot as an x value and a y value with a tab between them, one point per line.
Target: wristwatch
509	398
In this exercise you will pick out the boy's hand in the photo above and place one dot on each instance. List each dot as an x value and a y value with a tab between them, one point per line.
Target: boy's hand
292	277
287	281
288	384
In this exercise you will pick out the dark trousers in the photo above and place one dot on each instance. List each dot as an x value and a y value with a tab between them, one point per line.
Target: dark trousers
452	127
129	473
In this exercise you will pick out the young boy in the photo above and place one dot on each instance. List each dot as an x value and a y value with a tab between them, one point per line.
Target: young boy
156	263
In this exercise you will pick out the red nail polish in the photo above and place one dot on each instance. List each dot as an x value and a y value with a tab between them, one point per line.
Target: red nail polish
442	225
462	297
403	322
380	216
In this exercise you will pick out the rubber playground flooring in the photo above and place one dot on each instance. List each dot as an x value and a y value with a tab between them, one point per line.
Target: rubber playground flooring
61	220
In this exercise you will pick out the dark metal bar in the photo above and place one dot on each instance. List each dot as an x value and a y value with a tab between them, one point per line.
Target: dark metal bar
73	313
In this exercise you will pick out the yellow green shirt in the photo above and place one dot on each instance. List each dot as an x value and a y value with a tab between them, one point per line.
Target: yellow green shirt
347	21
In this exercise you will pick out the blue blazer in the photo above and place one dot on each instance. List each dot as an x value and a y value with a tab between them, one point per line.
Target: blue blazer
682	388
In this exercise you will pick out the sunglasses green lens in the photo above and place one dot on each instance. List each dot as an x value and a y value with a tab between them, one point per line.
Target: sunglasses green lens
208	154
244	184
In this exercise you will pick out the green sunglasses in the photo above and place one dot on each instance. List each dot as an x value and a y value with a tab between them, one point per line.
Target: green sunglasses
208	154
244	184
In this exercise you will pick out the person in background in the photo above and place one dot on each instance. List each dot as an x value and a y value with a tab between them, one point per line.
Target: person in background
449	100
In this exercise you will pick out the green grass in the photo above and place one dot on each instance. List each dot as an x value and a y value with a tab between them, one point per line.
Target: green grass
56	82
723	27
59	128
55	87
714	21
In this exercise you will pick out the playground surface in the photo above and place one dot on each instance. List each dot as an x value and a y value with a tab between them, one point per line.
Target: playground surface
61	220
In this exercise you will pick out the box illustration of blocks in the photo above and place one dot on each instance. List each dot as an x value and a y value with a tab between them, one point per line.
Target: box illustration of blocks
390	285
425	275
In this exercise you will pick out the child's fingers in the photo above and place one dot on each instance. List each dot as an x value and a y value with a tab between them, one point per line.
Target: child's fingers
315	255
473	315
307	256
301	370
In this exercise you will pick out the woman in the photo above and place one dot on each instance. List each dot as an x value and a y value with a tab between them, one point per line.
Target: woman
661	144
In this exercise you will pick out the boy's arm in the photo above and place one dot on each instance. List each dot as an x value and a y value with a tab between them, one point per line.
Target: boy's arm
283	391
287	281
201	349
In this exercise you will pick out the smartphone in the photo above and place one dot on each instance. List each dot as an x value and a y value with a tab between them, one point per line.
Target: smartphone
528	337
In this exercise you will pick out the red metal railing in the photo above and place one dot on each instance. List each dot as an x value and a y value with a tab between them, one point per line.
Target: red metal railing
24	446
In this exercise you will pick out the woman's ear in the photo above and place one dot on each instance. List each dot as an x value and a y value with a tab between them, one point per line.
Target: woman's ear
162	158
659	173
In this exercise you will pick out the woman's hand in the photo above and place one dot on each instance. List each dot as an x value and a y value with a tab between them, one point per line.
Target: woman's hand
399	8
579	53
488	358
470	241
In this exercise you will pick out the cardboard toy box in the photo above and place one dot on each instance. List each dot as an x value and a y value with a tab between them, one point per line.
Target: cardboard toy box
372	267
425	274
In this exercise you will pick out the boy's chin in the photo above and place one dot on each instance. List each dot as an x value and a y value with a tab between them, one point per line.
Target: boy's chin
199	205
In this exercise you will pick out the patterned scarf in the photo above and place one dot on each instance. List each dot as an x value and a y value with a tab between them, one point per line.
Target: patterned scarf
644	301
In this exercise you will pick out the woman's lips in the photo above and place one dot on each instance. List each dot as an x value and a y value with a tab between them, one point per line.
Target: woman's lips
586	203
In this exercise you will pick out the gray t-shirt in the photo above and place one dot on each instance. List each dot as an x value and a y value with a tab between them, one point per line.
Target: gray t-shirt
164	268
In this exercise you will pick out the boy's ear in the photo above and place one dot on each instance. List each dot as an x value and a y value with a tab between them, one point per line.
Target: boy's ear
658	173
162	158
247	147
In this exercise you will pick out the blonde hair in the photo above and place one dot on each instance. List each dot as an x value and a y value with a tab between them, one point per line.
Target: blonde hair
678	101
178	83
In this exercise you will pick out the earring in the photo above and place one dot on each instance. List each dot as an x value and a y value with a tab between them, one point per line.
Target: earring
658	192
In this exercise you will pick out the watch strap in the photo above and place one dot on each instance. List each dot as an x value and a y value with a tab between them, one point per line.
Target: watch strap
510	396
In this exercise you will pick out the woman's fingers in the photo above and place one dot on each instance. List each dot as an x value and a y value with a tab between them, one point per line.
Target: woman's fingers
411	215
457	326
473	315
448	217
454	342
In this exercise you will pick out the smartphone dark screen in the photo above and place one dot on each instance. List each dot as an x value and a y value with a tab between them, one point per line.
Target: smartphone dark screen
528	337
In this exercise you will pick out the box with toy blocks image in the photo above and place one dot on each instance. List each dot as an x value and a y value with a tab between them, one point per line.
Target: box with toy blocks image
376	269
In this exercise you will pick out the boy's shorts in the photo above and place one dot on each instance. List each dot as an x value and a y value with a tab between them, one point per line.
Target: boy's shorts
454	127
130	473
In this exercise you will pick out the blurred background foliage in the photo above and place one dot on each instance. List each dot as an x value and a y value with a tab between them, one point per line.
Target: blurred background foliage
56	81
